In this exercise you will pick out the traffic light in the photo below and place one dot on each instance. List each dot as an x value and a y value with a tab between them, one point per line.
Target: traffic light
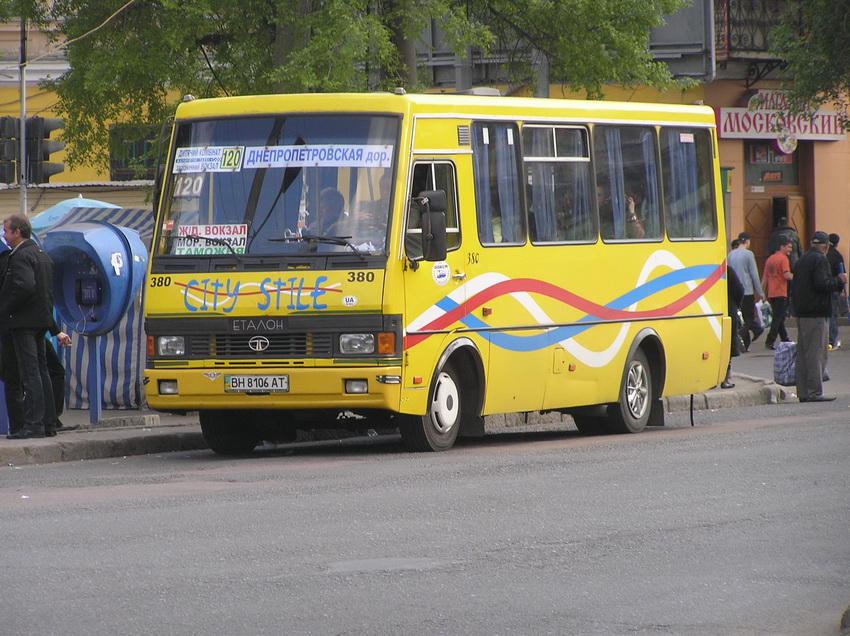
40	147
10	129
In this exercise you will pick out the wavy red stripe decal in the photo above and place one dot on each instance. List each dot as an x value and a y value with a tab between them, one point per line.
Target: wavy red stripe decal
531	285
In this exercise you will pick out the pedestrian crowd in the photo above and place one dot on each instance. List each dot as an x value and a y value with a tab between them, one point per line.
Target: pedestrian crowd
30	368
806	285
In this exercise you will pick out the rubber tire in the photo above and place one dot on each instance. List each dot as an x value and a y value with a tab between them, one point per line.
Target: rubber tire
592	424
631	413
226	434
436	430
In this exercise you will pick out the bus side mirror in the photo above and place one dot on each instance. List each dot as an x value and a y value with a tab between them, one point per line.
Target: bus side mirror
433	225
434	236
434	199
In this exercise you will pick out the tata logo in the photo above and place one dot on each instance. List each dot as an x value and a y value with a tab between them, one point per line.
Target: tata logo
258	343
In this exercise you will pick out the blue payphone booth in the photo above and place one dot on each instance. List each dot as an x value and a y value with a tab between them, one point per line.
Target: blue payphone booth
98	268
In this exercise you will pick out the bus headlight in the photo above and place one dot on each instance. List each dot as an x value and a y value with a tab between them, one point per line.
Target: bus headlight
357	343
356	386
168	387
171	345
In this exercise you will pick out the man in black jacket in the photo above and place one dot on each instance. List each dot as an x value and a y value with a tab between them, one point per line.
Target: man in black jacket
813	286
14	392
836	266
26	313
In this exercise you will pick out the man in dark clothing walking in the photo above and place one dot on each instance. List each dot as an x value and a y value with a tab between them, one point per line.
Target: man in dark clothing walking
813	286
836	266
735	291
781	230
14	392
26	313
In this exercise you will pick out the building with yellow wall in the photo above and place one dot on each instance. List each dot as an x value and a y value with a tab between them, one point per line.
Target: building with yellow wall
45	62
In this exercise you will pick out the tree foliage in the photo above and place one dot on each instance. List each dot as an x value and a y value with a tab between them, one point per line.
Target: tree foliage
585	43
29	9
813	40
131	61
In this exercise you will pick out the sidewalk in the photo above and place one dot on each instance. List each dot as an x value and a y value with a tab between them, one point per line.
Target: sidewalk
124	433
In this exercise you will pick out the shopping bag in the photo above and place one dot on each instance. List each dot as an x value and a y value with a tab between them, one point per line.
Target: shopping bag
765	313
784	360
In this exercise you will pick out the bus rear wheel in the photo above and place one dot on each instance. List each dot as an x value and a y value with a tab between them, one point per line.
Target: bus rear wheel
631	413
436	430
227	434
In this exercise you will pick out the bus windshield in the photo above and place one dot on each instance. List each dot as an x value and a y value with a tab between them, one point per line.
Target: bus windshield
273	185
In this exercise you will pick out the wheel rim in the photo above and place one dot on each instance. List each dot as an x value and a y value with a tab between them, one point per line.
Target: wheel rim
445	408
637	390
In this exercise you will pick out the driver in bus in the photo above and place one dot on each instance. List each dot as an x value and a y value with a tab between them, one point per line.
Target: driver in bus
331	219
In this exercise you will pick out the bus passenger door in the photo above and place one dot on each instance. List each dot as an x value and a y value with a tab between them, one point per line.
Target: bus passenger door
435	293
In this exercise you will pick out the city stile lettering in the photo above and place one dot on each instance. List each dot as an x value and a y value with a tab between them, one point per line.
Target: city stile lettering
294	294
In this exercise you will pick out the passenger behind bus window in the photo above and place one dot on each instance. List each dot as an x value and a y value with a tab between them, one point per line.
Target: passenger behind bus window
636	210
606	212
331	218
497	229
630	223
564	221
374	214
368	227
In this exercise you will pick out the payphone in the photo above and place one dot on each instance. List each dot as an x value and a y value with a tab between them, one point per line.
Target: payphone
97	271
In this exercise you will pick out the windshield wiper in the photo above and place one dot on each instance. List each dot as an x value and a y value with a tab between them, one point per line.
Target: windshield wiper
311	238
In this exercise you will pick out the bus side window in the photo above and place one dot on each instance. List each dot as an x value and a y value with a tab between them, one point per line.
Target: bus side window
627	188
688	184
495	157
558	189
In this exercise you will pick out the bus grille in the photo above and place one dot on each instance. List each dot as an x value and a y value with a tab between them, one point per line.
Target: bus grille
291	345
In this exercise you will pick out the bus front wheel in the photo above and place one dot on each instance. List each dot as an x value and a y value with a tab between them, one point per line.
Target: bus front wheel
228	435
592	424
436	430
631	413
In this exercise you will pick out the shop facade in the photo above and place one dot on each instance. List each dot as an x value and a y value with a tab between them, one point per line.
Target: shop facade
792	168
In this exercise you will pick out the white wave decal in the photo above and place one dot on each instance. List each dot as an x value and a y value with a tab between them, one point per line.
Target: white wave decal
658	259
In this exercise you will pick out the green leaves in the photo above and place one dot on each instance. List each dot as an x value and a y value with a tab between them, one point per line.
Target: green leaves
586	43
134	66
813	40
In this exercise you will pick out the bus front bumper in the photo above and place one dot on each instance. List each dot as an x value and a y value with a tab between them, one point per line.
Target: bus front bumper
348	388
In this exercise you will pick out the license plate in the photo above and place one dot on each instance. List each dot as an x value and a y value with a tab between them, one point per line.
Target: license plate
256	383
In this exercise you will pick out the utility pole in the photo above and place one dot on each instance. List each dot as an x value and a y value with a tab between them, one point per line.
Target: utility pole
22	137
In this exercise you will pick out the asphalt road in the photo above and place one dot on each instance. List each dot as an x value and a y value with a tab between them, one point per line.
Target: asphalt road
739	525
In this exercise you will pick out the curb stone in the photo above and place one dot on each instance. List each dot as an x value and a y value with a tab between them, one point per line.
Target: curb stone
122	433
